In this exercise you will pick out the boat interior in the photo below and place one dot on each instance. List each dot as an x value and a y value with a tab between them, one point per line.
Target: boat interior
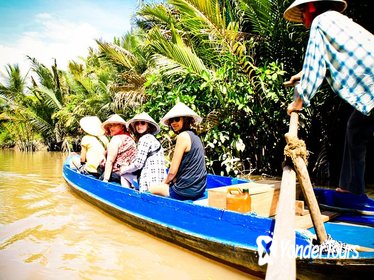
264	200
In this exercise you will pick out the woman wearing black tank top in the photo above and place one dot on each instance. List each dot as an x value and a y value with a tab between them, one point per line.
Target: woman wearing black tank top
186	179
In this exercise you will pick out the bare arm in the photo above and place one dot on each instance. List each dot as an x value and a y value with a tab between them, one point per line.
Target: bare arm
295	78
83	154
110	158
182	146
295	106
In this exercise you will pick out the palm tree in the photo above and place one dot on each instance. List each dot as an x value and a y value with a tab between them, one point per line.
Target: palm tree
47	99
127	60
14	116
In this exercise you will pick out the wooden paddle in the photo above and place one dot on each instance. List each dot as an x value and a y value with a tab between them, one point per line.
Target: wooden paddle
310	198
306	185
283	263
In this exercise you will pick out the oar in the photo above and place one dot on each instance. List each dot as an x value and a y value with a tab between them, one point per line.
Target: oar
310	198
282	263
306	186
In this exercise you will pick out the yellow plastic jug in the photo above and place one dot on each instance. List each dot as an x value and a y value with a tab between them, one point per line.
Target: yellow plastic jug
238	200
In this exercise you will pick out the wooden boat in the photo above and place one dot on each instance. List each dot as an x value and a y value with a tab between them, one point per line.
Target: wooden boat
241	240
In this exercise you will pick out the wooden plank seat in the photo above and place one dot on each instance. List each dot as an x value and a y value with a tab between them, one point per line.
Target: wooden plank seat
305	222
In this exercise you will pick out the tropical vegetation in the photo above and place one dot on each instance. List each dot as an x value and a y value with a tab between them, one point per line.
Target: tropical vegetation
226	59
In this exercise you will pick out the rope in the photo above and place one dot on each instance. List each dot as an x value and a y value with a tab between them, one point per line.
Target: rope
295	148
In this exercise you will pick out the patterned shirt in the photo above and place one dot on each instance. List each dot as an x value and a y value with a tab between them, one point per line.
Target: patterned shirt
346	50
153	166
126	151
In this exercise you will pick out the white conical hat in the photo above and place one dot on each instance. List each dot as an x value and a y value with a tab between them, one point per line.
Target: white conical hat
92	125
181	110
114	119
155	128
294	13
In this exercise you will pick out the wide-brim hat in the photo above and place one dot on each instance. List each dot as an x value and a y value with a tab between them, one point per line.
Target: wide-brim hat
92	125
153	126
114	119
181	110
294	13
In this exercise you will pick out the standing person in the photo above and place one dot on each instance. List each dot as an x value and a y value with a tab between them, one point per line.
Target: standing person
149	161
343	52
121	149
93	146
187	175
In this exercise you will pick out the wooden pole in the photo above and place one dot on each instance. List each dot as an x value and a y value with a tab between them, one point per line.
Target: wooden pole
306	185
283	263
310	198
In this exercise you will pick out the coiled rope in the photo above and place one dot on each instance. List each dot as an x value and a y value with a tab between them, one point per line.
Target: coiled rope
295	148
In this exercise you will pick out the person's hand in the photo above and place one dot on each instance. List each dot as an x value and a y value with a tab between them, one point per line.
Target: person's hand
297	105
294	79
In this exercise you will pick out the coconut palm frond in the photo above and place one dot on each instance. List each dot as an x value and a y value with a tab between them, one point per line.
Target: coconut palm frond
128	99
49	97
174	56
133	79
156	14
15	84
201	13
86	85
210	19
44	74
259	13
39	124
117	54
211	120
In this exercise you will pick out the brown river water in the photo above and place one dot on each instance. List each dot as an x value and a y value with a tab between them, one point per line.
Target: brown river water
48	232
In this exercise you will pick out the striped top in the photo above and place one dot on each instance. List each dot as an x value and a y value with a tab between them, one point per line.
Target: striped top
342	51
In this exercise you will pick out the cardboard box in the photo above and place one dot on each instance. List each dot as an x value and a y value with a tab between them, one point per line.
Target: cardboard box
264	197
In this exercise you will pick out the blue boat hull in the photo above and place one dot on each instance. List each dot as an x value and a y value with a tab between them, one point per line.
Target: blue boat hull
219	234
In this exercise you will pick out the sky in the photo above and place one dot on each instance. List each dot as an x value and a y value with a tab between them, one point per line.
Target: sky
58	29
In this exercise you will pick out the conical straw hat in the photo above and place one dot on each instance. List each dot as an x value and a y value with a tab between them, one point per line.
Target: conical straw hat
181	110
154	127
92	125
294	13
114	119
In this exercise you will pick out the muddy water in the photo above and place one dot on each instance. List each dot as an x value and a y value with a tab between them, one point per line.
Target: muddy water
48	232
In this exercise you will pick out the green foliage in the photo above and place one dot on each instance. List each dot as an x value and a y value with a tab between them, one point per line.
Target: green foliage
6	139
226	60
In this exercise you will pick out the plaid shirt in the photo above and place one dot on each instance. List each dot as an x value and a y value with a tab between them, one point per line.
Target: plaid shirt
346	50
152	167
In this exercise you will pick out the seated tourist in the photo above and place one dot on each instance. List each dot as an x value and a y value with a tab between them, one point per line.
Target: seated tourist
121	149
149	163
93	146
187	175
